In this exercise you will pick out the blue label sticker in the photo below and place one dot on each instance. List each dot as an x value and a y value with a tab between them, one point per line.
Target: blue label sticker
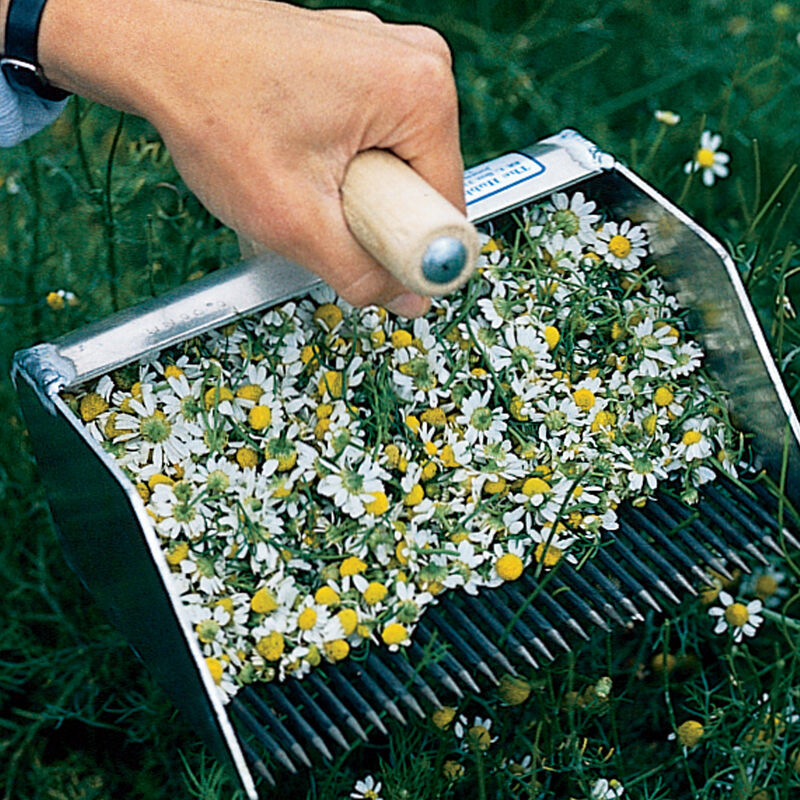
499	175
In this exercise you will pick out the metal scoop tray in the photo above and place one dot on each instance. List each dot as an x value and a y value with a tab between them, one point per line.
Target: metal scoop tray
109	541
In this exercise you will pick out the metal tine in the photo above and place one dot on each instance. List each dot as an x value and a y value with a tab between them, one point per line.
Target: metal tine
578	603
257	729
358	673
500	603
555	607
761	513
581	588
296	720
316	711
483	641
453	664
449	632
346	689
626	577
438	673
594	574
731	531
536	616
276	725
478	606
765	510
644	570
638	541
690	541
398	661
337	708
391	681
258	765
708	535
667	544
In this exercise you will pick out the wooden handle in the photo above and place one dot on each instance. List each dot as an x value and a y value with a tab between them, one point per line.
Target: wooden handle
406	225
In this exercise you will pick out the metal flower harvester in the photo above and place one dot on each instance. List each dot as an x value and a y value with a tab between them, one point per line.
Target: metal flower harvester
110	541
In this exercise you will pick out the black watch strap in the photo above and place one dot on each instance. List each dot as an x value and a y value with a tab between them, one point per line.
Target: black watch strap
20	61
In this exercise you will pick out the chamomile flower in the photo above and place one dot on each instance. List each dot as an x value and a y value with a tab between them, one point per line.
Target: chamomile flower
709	159
623	246
739	618
367	789
573	216
483	421
604	789
475	735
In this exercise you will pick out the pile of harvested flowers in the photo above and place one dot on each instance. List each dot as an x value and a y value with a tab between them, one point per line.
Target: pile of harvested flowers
319	474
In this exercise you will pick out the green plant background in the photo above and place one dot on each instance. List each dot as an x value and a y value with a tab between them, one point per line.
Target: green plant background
93	206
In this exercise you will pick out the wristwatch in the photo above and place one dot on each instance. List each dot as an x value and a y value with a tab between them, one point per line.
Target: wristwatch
19	60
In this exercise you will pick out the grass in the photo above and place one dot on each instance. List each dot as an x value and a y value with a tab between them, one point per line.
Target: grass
93	206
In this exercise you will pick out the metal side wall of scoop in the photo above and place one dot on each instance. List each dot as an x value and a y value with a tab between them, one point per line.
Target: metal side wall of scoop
109	542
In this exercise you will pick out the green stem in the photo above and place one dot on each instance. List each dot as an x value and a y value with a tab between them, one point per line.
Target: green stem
775	616
82	158
109	222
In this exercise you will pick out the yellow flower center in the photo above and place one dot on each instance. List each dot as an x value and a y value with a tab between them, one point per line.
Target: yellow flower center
374	593
215	668
737	614
534	486
328	316
263	602
260	417
663	396
326	596
434	416
177	553
690	733
394	633
766	586
415	496
549	554
495	487
401	338
413	423
509	567
691	437
443	716
513	691
479	737
352	566
619	246
215	395
270	647
348	619
378	505
336	650
705	158
551	336
583	399
91	406
246	457
332	383
307	619
250	391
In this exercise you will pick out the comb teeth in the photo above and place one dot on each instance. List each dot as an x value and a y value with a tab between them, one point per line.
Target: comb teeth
657	556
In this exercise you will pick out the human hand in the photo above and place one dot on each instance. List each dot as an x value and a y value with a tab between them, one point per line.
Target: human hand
262	105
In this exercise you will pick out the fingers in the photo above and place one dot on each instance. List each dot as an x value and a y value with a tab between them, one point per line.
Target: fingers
345	266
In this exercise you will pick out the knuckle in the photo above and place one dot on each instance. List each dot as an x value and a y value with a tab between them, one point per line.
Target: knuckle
429	73
431	41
